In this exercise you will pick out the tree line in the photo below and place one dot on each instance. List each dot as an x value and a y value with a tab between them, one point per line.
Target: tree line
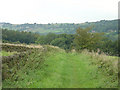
82	39
19	37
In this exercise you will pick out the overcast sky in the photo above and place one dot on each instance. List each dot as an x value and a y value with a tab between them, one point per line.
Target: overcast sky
57	11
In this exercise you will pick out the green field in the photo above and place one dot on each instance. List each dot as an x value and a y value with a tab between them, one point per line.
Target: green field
58	69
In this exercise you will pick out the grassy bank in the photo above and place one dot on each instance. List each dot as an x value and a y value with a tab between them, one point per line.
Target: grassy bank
54	68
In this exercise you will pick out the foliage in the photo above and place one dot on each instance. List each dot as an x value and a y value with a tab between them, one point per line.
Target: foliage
80	40
109	47
40	40
108	26
16	36
57	69
86	40
62	40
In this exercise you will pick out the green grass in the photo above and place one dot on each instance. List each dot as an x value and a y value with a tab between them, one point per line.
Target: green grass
60	70
4	53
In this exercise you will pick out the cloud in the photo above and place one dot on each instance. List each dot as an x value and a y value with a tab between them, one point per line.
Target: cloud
52	11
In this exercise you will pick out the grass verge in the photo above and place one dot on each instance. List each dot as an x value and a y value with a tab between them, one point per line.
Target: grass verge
54	68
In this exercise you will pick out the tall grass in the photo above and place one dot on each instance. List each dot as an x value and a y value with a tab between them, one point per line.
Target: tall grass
103	60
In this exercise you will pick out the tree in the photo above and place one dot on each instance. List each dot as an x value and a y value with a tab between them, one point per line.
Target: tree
40	40
22	37
49	37
60	42
86	40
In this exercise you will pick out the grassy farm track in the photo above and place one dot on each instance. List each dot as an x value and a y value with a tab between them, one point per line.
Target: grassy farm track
72	71
62	70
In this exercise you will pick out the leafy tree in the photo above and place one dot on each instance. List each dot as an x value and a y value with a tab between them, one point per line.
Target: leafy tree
49	37
86	40
22	37
40	40
109	47
60	42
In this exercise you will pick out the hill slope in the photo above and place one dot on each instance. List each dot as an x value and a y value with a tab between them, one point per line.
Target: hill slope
54	68
69	28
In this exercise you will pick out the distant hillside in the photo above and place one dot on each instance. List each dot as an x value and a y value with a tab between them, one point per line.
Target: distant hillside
110	27
99	26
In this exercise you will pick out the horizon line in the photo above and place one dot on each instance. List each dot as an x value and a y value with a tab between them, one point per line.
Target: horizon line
63	22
